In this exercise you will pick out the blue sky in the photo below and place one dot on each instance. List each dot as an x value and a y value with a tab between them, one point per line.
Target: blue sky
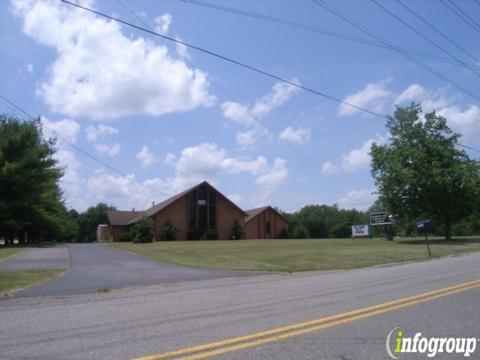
160	114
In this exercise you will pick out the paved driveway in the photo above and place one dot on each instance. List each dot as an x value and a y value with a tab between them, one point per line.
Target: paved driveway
94	266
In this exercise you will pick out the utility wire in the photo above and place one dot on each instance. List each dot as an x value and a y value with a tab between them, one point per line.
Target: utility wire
323	31
292	148
240	64
144	23
76	147
233	61
364	29
421	35
422	19
472	20
457	11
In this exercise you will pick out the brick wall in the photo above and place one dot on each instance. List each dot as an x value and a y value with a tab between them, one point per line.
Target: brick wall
256	227
177	214
116	231
226	215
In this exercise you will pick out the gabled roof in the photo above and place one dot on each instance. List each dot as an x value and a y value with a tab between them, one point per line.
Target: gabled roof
123	218
252	213
162	205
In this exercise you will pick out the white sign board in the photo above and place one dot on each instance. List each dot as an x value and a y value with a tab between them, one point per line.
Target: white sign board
360	230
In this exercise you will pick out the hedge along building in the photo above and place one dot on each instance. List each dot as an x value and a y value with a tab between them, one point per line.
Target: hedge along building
200	212
265	223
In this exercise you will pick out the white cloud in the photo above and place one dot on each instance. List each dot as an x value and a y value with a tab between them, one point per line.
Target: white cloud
249	137
466	122
110	150
66	132
237	112
63	130
279	94
353	160
328	168
181	49
236	198
374	97
126	190
360	199
29	68
274	176
146	157
99	132
162	23
299	136
412	93
249	116
207	162
101	73
194	164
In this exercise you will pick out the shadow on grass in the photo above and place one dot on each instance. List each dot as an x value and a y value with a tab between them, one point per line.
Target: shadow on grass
453	242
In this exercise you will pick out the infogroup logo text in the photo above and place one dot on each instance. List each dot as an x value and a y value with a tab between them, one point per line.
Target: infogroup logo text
429	346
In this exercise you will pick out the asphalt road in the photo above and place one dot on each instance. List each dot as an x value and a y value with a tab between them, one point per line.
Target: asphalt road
129	323
94	266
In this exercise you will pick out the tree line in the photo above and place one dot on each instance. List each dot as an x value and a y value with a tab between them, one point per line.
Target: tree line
421	173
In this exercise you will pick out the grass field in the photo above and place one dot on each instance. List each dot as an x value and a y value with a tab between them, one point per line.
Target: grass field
8	251
16	280
295	254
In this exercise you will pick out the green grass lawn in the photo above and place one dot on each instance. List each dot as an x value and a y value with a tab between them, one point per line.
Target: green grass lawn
17	280
297	254
8	251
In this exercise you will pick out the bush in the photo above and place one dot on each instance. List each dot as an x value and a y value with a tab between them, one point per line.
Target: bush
142	230
169	231
195	234
212	235
125	237
284	234
300	232
237	230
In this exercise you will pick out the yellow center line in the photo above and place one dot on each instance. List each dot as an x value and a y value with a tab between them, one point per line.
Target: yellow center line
276	334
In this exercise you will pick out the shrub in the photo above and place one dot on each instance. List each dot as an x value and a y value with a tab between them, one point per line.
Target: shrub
125	237
142	230
237	230
212	235
195	234
300	232
169	231
284	234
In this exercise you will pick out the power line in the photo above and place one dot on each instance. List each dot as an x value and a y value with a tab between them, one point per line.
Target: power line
292	148
168	44
472	20
76	147
240	64
420	34
363	28
228	59
461	14
421	18
322	31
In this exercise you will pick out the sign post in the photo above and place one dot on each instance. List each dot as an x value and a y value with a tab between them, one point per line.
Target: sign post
425	226
360	230
383	219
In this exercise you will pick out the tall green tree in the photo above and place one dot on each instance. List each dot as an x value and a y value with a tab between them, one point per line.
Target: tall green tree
422	173
88	221
31	205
